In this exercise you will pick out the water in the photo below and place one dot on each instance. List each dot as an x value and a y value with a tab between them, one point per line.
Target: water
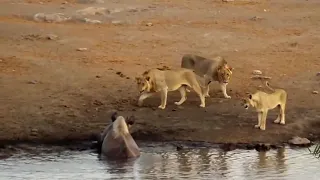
164	162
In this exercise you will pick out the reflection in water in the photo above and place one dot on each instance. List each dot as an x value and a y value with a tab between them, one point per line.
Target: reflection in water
164	162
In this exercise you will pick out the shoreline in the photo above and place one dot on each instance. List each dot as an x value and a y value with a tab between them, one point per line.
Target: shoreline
10	147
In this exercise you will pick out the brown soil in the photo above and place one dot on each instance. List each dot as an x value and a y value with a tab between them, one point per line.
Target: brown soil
50	91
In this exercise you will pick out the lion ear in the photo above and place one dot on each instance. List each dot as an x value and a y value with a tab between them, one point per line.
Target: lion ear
228	67
137	79
147	78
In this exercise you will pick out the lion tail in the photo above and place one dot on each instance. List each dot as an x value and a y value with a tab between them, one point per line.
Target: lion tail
268	86
120	127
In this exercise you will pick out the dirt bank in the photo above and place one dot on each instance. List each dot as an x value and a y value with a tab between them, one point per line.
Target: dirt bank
52	92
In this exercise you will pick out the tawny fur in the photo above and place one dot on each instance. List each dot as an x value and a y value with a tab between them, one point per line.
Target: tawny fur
216	69
162	81
263	102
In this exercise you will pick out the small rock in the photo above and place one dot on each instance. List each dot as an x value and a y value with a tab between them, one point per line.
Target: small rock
82	49
97	76
116	10
65	2
315	92
116	22
149	24
227	0
298	141
260	77
32	82
90	1
256	18
91	11
54	17
91	21
256	72
52	36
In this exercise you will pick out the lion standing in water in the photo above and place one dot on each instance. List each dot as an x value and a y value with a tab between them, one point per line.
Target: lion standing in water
215	69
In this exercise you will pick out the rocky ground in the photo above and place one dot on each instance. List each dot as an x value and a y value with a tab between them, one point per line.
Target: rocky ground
61	75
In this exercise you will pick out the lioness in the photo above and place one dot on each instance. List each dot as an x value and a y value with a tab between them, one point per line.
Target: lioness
263	102
155	80
215	69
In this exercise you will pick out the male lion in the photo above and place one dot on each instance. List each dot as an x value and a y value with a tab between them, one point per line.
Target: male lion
215	69
155	80
263	102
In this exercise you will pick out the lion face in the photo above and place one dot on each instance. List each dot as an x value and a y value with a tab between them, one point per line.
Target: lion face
224	74
247	102
143	84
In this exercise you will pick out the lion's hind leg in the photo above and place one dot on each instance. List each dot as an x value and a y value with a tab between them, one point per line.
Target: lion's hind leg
206	90
282	112
198	90
277	121
183	94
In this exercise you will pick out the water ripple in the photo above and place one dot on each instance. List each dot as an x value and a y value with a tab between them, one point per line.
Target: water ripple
164	162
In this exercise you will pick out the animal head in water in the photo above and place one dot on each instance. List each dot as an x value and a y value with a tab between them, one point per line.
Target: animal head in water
120	127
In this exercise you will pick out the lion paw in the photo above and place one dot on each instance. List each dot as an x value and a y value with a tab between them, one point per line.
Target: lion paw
262	128
202	105
207	95
177	103
282	122
257	126
227	97
277	121
161	107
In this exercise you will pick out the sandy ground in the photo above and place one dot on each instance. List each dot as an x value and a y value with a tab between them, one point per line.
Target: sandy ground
50	91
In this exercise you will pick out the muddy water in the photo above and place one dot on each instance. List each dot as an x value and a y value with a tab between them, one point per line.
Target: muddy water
164	162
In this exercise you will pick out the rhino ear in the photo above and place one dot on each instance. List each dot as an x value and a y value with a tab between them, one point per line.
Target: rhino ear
114	116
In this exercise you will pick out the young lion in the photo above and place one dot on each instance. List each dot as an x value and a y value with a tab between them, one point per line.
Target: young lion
155	80
263	102
215	69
